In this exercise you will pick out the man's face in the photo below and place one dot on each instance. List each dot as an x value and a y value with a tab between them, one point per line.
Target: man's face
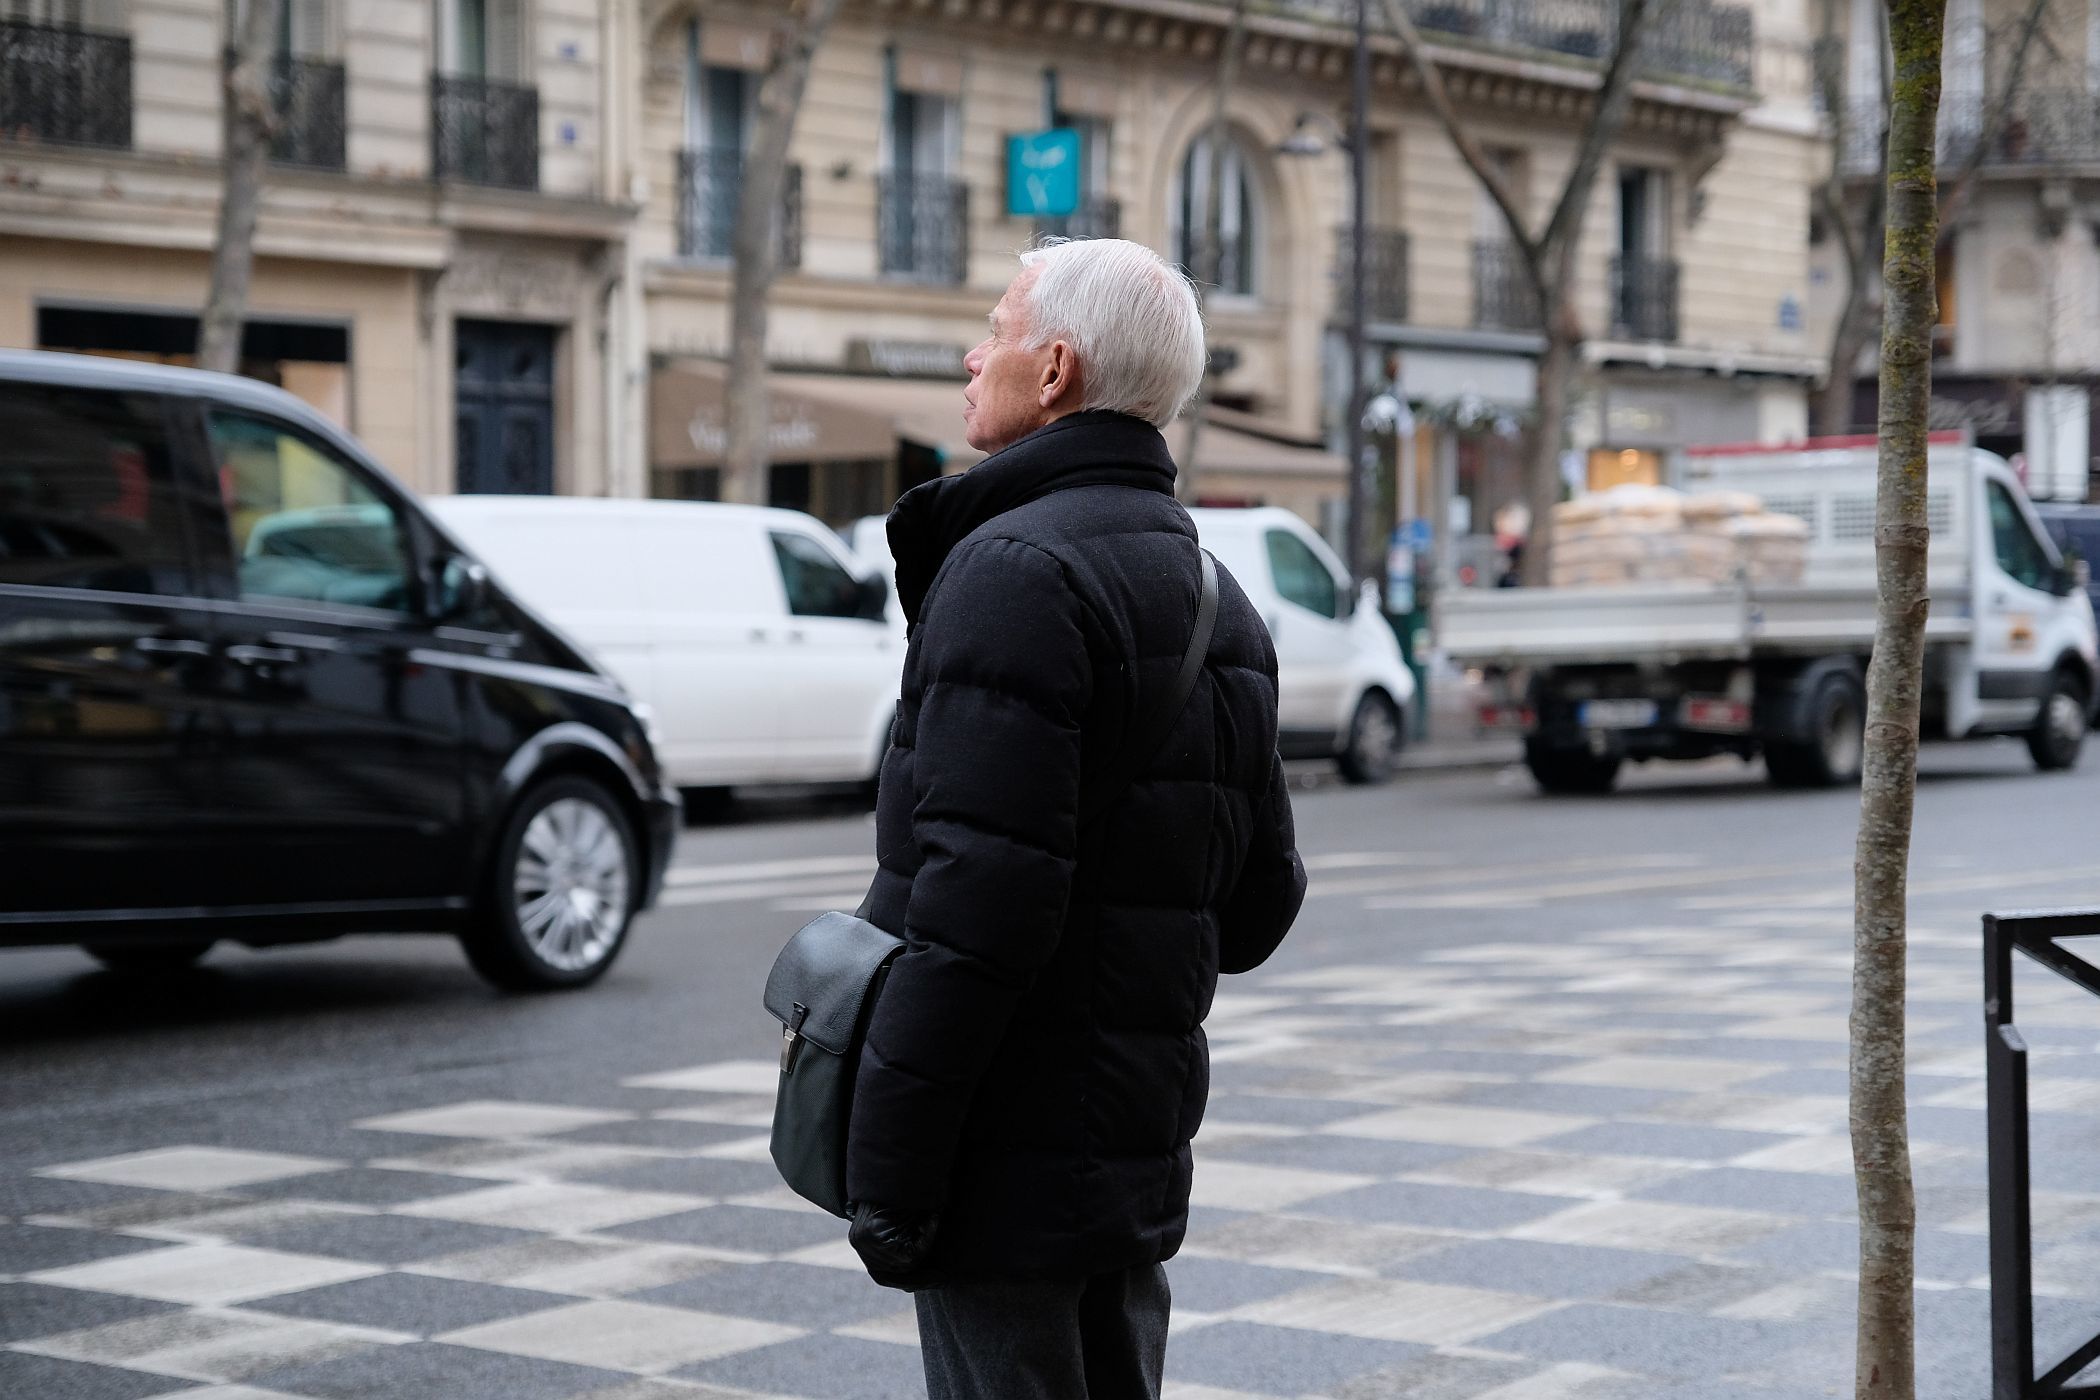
1013	391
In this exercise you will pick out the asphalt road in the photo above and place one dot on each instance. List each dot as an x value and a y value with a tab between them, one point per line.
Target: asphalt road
1666	960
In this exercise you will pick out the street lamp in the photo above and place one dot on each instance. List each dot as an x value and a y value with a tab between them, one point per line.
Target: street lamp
1305	140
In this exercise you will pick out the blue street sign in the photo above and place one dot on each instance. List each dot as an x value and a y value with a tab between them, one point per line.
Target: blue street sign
1042	173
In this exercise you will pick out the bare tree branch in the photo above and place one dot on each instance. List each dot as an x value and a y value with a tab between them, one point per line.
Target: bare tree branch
1210	239
249	121
1612	101
1996	115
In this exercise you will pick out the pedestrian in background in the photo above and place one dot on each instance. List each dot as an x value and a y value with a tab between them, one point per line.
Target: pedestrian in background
1035	1068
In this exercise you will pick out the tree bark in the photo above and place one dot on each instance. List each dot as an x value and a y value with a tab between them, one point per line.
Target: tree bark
248	122
1211	241
755	250
1885	1366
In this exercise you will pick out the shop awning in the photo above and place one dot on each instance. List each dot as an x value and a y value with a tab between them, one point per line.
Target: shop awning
688	421
925	411
1229	450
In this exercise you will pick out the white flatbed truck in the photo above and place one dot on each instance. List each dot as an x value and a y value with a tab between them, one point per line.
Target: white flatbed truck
1596	676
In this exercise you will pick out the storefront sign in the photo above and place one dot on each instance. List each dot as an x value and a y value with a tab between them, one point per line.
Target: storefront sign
1042	174
924	359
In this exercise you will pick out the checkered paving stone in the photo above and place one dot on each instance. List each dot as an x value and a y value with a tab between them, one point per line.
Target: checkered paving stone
1522	1172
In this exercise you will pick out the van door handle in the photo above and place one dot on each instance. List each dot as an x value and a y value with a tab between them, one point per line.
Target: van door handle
245	655
170	646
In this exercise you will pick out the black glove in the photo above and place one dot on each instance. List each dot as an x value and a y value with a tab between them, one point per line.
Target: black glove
894	1244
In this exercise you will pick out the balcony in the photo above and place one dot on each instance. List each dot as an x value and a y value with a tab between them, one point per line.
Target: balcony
1643	298
1385	274
2044	127
64	85
922	227
484	132
1503	297
1094	218
308	96
710	183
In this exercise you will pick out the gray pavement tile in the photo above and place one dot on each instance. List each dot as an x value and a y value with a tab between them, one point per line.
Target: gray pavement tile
1206	1285
380	1239
48	1378
1702	1287
1685	1140
1960	1127
1604	1100
1655	1342
821	1368
415	1303
430	1370
1746	1188
1286	1111
24	1249
1280	1360
1819	1053
804	1295
1441	1207
1437	1376
30	1310
24	1195
1327	1152
687	1176
752	1228
1574	1272
366	1186
1479	1061
672	1134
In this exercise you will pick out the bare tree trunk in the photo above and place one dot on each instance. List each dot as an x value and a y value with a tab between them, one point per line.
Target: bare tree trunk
1542	478
755	248
1834	400
249	121
1211	241
1885	1367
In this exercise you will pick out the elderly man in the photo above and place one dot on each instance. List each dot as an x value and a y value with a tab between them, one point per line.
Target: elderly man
1035	1068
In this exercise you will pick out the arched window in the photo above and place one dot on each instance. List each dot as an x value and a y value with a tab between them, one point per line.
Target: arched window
1239	226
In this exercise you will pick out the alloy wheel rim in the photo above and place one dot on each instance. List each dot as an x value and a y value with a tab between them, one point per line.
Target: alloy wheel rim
2066	719
1844	744
571	884
1377	738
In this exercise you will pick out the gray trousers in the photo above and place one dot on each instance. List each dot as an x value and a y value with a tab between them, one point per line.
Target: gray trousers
1103	1338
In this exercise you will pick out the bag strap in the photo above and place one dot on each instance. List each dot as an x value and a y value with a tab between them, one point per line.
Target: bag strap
1147	737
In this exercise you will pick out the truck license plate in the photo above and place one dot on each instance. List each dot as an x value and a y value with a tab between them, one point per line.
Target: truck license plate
1618	714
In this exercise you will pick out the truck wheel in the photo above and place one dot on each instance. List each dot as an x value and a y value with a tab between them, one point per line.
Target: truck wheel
560	893
1570	772
1833	757
2059	731
1375	739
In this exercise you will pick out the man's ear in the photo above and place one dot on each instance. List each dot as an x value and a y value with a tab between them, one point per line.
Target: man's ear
1059	387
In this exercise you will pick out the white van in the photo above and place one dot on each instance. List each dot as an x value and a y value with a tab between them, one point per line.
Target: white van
762	645
1343	688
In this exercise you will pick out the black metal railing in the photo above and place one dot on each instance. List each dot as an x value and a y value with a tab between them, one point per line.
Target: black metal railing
308	96
1698	39
2005	1097
68	85
2049	126
1385	274
1503	297
484	132
922	227
710	190
1094	218
1644	298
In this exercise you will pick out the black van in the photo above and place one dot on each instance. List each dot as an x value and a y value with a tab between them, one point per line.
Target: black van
250	690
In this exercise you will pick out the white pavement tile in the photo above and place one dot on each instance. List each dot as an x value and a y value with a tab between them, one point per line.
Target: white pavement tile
1551	1173
1460	1125
587	1268
720	1077
1570	1380
556	1207
1238	1186
1654	1226
738	1111
491	1118
832	1254
190	1168
213	1345
528	1160
1395	1311
1327	1246
899	1328
230	1392
206	1275
622	1336
1658	1072
757	1148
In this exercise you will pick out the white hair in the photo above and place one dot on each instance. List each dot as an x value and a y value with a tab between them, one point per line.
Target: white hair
1129	315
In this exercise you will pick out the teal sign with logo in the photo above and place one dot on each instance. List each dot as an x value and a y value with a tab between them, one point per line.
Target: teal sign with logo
1042	174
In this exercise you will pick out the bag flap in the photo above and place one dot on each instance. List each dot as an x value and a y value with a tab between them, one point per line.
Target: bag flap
828	967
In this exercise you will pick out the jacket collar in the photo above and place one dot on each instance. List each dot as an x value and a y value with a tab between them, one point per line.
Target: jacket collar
1094	448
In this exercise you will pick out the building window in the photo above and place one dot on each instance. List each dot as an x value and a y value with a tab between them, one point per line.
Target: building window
487	39
1099	214
1239	218
922	210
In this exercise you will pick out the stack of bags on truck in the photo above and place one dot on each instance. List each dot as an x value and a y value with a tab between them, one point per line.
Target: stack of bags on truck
1633	535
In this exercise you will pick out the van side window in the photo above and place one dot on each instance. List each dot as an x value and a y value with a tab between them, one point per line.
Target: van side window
1300	576
2020	554
305	524
88	497
817	586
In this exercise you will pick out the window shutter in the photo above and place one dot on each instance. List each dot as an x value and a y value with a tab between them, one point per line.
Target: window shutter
506	40
308	33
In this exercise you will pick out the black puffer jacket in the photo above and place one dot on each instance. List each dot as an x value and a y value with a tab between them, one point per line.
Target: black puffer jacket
1036	1066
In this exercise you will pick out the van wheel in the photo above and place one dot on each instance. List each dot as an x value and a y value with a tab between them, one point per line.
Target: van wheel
150	957
560	894
1835	754
2059	731
1372	754
1567	772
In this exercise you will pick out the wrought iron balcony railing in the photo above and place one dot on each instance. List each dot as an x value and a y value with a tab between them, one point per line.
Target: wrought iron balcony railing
1094	218
1385	274
2045	126
710	186
922	227
64	85
1503	297
485	132
309	97
1644	298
